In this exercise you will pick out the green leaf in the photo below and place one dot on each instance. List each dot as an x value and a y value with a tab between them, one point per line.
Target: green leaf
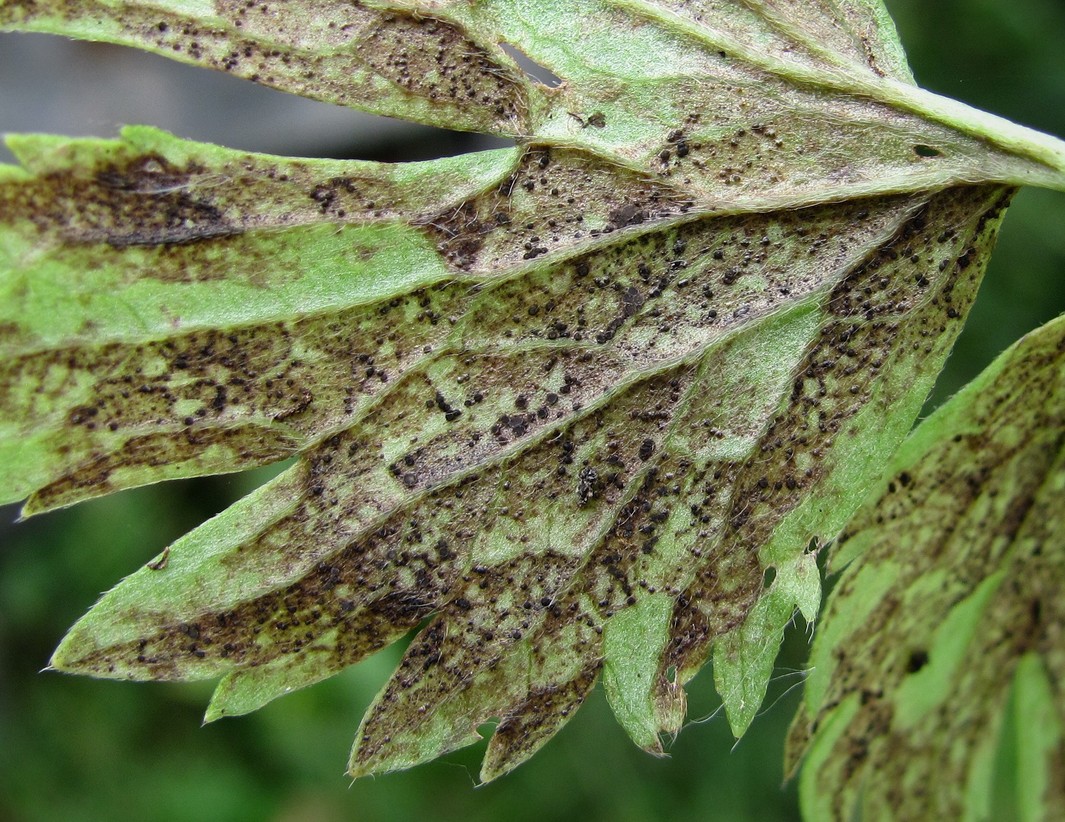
583	405
952	595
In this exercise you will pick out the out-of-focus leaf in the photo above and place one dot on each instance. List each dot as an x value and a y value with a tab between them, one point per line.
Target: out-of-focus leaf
952	598
583	404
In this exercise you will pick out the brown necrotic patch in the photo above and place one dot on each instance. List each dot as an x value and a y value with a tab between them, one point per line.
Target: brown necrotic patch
187	220
419	554
348	53
253	394
435	60
344	463
345	605
390	61
668	293
671	528
529	723
555	199
190	452
489	403
885	312
495	610
881	312
496	606
142	200
658	297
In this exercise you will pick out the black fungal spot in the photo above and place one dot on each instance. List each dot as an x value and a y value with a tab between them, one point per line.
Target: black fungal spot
916	661
626	215
589	485
595	120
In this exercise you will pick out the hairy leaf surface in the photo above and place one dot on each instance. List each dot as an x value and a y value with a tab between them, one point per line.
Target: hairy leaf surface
953	598
578	408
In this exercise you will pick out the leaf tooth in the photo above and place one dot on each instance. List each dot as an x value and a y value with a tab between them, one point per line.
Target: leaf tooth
565	661
536	686
634	641
528	725
397	734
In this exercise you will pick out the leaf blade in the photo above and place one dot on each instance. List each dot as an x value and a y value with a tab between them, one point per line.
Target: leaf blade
982	558
384	59
607	382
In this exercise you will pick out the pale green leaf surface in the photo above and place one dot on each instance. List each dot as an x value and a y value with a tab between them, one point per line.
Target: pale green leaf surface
633	642
1040	738
951	597
568	402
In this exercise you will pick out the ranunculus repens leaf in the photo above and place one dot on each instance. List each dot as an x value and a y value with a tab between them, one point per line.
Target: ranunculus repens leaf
567	404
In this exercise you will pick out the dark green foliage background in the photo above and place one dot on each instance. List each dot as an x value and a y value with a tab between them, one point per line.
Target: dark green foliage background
77	749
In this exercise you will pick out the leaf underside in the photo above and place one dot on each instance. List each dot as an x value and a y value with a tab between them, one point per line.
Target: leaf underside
564	404
953	600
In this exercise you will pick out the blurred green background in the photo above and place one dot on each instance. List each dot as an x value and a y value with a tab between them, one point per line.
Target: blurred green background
77	749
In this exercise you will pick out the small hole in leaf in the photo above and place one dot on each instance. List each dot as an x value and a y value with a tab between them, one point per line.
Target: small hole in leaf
921	150
918	659
533	70
768	577
671	674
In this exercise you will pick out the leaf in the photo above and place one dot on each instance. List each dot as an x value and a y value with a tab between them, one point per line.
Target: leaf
952	599
581	406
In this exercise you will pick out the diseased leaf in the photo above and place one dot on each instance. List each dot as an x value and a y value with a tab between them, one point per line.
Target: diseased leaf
952	598
385	58
581	406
